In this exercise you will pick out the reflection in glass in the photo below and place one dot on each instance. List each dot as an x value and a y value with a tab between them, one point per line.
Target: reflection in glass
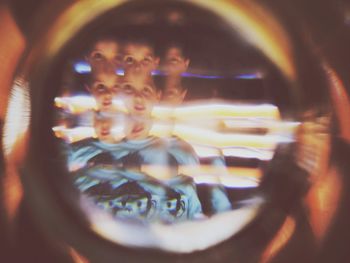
159	128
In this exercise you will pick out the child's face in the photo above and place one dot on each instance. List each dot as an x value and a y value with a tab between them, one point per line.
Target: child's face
104	88
139	94
103	129
174	63
105	55
173	96
139	58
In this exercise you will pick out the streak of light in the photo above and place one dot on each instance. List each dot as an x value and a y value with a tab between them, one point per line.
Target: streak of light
193	110
82	67
76	256
205	143
17	117
323	201
266	111
280	240
15	145
73	134
235	145
340	101
205	152
197	135
268	125
243	152
83	103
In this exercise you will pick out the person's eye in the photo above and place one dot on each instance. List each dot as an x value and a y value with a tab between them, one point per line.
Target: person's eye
170	93
100	88
129	60
128	89
147	91
97	56
147	60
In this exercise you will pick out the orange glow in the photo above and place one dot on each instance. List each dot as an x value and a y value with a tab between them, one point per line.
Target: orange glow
340	102
12	187
322	201
280	240
12	45
77	258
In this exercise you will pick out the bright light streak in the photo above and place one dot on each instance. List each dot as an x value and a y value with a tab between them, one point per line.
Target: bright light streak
82	67
239	182
200	110
73	134
18	115
83	103
205	151
76	104
206	137
264	155
280	240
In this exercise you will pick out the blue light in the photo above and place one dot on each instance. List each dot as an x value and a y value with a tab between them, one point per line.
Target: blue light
82	67
248	76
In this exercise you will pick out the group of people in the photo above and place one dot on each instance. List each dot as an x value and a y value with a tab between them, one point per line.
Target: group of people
137	176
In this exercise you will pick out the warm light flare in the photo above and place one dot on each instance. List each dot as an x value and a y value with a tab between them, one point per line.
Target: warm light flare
280	240
17	117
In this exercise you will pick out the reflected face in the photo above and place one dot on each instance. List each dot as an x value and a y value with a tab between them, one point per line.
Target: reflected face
105	55
103	129
131	206
139	94
174	63
173	95
139	58
104	88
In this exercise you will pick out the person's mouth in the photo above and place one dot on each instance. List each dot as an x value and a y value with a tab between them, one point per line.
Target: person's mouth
105	133
139	107
137	129
107	103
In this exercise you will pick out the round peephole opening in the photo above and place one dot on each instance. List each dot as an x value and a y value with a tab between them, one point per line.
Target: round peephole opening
168	119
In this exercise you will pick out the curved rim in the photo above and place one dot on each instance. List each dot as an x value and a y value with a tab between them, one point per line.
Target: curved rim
272	41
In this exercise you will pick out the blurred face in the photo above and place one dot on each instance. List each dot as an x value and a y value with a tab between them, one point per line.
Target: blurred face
103	129
174	63
139	58
104	88
105	56
139	94
173	95
131	206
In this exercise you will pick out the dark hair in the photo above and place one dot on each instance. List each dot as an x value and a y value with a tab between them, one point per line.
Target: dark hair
175	44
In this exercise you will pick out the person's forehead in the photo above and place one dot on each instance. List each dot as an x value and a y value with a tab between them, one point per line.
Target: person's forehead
138	81
174	52
106	44
138	49
106	78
